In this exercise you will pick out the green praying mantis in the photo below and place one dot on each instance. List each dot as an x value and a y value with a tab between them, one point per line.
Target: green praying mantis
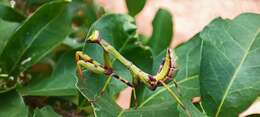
164	74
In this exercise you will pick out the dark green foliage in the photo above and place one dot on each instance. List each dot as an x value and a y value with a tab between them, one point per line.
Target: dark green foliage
7	13
162	31
38	41
230	65
135	6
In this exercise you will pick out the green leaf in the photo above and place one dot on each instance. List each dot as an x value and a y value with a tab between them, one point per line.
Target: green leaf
164	109
162	31
46	111
60	83
229	78
6	29
12	105
9	14
191	110
39	34
140	55
187	58
37	2
135	6
90	86
91	11
119	30
106	106
116	29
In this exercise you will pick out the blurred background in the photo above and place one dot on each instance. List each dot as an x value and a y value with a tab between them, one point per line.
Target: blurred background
189	17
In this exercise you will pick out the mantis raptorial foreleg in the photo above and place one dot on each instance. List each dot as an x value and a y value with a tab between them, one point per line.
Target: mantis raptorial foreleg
95	67
86	62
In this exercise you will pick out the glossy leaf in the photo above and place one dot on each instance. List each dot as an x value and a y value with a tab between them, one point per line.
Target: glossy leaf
90	86
135	6
6	29
139	54
191	110
162	31
12	105
116	29
230	65
37	2
60	83
39	34
46	111
9	14
188	58
164	109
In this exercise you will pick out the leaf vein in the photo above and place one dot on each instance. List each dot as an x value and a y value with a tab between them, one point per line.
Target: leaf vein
234	76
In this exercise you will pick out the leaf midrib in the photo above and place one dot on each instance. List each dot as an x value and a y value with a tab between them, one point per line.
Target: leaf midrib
159	92
30	93
34	38
162	90
234	76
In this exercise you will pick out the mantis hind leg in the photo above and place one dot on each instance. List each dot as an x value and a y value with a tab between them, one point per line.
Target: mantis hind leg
106	85
113	75
172	94
177	86
135	83
176	97
135	97
101	93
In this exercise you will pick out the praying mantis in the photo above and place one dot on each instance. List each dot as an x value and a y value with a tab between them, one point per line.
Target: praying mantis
164	74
